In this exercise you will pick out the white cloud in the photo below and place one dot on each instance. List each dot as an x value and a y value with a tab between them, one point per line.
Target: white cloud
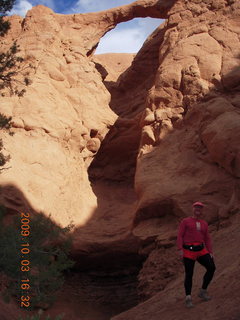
126	40
48	3
148	25
21	8
93	5
87	4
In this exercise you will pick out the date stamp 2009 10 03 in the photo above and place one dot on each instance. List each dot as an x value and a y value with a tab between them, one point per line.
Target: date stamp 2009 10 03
25	264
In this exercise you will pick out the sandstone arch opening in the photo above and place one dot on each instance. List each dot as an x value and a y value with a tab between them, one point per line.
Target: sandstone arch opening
117	48
120	54
128	37
129	76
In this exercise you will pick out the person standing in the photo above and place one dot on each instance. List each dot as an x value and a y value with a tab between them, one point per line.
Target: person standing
194	243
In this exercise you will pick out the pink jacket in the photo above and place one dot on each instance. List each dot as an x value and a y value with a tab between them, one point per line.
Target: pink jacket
193	230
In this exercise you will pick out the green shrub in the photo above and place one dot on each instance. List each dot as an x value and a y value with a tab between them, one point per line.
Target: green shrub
49	246
13	71
3	159
5	122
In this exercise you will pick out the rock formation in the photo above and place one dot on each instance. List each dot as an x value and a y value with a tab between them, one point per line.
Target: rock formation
125	160
112	65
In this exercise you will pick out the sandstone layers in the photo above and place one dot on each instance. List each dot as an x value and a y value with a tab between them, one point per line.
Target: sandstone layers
125	167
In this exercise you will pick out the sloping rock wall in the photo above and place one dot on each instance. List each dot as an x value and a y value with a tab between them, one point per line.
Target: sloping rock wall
190	127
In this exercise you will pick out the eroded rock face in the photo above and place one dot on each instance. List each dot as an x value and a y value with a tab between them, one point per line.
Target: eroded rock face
190	126
61	122
55	123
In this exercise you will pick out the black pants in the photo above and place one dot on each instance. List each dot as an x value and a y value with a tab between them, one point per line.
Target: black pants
205	261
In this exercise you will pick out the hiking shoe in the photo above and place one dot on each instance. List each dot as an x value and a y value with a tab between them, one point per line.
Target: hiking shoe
204	295
189	303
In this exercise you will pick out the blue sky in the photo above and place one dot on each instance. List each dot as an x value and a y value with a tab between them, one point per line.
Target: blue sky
132	33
